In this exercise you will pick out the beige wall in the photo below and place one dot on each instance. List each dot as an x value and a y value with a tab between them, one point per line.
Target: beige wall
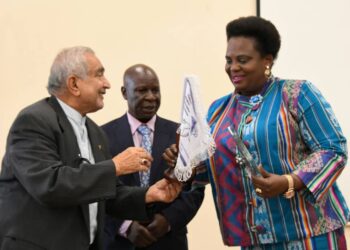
175	37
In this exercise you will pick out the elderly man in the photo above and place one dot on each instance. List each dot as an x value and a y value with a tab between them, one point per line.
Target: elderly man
141	126
57	178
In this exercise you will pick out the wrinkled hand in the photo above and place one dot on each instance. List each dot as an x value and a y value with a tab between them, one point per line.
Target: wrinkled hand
163	191
271	185
139	235
170	155
132	159
158	226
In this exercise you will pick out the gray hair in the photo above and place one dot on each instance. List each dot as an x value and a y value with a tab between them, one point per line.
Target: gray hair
70	61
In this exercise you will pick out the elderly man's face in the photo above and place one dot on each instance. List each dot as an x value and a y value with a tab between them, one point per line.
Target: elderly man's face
93	87
143	94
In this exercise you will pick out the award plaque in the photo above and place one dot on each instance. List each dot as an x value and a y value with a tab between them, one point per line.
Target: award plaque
243	157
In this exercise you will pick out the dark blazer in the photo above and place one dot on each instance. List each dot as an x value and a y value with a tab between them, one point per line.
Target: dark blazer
178	213
45	187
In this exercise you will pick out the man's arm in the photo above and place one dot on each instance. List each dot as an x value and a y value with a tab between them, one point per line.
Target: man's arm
131	201
54	178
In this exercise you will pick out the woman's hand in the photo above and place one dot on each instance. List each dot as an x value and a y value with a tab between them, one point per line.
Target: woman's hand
269	185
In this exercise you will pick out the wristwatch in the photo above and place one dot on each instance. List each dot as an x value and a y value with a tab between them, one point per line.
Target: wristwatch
290	192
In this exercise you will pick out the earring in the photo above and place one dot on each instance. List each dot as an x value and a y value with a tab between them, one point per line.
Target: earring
267	71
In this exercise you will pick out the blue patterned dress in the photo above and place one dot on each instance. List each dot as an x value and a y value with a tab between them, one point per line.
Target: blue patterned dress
288	128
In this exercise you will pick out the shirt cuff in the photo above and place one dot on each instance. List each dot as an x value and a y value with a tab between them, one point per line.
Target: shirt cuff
124	228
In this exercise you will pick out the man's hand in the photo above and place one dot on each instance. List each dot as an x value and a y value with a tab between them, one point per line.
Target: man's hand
132	159
158	226
163	191
139	235
170	155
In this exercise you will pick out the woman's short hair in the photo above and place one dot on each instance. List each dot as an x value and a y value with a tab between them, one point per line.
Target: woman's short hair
70	61
267	37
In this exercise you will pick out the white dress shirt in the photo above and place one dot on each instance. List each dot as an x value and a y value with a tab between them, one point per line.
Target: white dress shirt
78	123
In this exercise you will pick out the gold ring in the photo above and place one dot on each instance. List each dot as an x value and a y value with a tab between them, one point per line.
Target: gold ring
143	161
258	191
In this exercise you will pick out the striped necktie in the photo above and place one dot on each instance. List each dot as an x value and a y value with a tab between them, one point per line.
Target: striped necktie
146	144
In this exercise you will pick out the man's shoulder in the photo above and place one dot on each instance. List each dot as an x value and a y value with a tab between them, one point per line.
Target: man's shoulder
38	116
166	123
38	108
115	122
164	120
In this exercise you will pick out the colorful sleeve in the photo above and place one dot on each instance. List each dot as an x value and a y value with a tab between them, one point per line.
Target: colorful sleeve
322	133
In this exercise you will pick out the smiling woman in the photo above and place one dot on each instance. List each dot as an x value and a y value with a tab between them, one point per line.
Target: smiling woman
293	200
245	65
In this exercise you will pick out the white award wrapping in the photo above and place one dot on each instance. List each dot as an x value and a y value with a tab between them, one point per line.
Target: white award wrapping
196	143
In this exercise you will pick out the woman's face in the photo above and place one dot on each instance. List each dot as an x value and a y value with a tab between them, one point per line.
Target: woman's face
245	66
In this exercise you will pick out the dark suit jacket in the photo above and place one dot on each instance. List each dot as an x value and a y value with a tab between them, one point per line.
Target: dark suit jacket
178	213
45	187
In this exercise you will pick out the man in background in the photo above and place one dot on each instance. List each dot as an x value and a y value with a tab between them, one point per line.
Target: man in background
140	126
57	173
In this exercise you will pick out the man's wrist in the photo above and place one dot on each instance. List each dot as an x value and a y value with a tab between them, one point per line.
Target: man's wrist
115	166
